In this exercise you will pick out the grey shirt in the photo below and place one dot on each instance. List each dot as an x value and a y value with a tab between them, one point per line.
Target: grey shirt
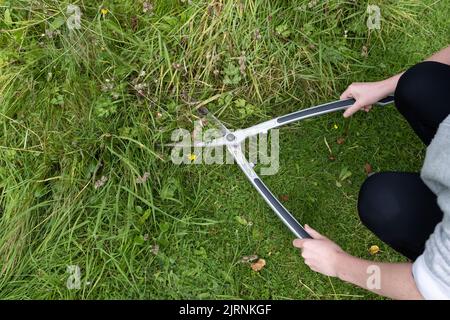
436	174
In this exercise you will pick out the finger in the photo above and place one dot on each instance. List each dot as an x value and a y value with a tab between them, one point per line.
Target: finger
310	264
314	233
314	268
346	94
350	111
305	254
299	243
367	108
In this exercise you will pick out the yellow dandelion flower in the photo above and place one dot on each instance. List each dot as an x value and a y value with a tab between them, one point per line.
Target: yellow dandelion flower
104	11
374	249
192	157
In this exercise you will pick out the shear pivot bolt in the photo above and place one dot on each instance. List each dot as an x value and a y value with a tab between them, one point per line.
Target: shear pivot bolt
231	137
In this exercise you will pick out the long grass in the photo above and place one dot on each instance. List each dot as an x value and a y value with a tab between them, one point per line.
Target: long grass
85	178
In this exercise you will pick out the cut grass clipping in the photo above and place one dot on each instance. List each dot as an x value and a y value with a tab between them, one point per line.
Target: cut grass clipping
91	207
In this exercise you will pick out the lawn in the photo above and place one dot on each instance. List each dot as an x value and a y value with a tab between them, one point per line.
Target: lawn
86	113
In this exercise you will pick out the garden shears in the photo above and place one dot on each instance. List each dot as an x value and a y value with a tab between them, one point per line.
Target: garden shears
233	140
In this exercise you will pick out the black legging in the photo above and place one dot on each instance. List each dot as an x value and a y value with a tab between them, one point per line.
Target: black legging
397	206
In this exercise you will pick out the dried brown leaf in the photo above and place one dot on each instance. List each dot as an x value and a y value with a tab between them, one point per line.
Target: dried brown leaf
368	168
155	249
101	182
258	265
143	179
373	250
364	52
134	23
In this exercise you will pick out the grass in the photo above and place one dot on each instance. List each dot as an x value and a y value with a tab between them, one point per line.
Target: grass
102	101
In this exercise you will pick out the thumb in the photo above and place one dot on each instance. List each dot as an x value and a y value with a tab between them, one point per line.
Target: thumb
313	233
346	94
351	110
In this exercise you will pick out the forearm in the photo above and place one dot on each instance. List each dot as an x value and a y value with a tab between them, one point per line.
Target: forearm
395	279
442	56
388	86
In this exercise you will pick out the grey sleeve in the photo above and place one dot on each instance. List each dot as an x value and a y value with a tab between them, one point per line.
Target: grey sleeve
436	174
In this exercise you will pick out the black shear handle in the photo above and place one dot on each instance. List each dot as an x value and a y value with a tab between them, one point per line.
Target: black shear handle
287	218
326	108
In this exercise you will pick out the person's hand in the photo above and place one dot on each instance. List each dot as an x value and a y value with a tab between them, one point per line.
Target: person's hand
365	94
320	253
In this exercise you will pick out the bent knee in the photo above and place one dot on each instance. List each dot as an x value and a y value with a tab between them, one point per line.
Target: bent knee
416	83
377	202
